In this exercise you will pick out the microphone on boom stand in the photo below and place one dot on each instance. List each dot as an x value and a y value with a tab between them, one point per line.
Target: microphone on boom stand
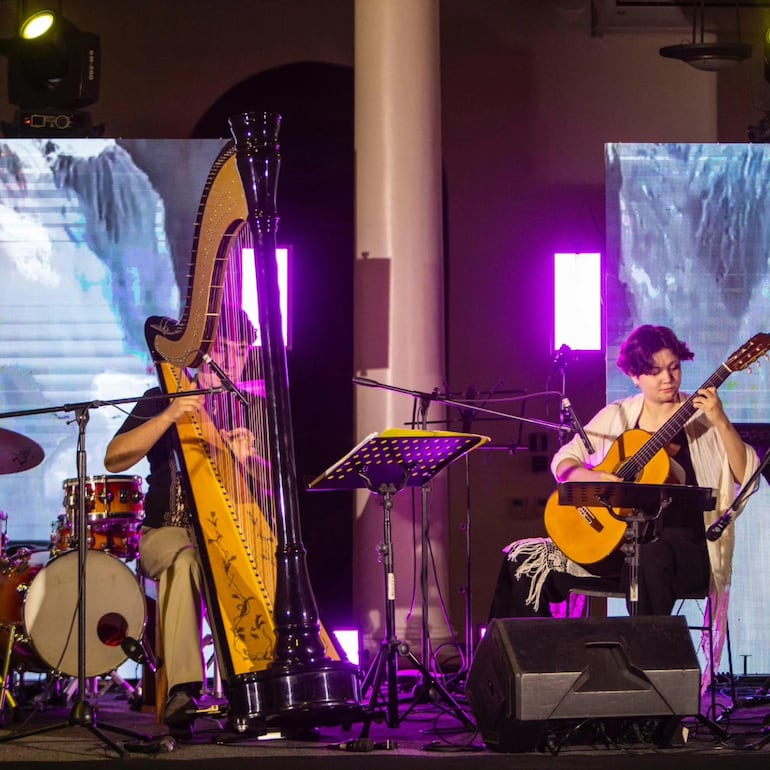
714	532
567	409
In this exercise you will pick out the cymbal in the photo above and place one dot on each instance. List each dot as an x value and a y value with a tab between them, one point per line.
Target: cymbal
18	453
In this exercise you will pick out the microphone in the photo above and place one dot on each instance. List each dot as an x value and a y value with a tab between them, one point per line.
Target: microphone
231	386
567	407
140	653
714	532
561	359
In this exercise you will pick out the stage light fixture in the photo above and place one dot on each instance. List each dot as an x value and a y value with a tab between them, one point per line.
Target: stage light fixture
711	57
53	64
37	25
53	73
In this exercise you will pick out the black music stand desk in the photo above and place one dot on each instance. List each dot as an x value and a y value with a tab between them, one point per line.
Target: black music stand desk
646	502
385	463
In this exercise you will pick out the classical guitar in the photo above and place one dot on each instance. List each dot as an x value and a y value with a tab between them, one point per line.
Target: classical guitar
587	534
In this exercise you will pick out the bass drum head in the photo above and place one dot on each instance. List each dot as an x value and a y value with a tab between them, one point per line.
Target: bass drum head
115	609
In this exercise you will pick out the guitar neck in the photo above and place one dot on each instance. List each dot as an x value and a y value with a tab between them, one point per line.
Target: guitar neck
669	429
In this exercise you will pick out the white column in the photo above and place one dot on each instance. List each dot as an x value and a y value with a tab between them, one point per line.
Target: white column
399	313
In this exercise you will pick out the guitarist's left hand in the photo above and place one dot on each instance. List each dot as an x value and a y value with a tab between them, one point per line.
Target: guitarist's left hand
708	400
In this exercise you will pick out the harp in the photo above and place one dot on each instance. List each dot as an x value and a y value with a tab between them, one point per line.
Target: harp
277	662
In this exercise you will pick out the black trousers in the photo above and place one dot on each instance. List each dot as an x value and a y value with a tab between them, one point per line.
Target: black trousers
672	565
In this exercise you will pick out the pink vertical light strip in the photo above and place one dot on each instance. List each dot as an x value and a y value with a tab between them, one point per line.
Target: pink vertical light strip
350	641
577	301
249	289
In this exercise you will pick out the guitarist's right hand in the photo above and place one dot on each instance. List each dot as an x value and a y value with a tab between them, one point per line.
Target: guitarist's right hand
571	470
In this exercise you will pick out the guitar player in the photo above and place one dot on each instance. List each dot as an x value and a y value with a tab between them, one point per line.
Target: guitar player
699	447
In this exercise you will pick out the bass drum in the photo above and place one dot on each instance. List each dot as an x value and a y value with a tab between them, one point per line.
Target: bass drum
115	609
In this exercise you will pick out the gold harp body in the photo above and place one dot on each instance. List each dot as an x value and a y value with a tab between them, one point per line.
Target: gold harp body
277	661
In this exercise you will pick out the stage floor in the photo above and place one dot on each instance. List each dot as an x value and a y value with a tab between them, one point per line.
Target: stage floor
425	731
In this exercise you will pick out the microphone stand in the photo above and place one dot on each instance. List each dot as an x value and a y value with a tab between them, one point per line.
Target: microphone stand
425	646
82	713
425	399
559	365
366	382
714	532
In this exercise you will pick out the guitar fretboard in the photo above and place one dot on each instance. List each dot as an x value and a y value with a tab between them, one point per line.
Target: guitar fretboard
631	468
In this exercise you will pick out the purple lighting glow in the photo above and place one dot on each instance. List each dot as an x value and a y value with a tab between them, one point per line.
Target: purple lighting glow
249	291
350	641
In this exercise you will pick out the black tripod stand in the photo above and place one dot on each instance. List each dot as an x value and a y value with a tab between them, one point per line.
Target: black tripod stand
384	667
386	463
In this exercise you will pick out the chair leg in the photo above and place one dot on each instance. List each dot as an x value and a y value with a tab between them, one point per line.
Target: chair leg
161	680
712	663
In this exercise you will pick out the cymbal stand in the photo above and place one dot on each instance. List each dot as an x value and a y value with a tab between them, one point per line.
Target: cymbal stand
385	666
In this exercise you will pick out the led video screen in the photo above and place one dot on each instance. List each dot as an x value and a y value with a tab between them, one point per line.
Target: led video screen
688	227
95	237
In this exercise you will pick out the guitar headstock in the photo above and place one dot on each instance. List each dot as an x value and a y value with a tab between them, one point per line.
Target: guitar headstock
747	354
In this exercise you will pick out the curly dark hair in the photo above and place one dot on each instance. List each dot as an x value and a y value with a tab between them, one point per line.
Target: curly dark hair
234	325
643	343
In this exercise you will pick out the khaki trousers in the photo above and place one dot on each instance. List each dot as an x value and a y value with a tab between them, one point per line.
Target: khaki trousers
169	556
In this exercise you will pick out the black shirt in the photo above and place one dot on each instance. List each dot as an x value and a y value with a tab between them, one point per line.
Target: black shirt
160	456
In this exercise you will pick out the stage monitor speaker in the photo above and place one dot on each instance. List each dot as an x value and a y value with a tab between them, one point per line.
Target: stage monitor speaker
533	679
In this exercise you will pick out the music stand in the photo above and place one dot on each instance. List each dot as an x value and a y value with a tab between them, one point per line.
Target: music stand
646	502
385	463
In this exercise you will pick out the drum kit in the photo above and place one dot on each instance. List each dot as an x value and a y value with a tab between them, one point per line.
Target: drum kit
40	589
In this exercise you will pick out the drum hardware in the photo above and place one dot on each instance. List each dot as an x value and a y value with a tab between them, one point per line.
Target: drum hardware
82	713
98	687
3	534
112	627
140	652
5	693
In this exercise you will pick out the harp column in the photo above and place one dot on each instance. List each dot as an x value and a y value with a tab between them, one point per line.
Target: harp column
399	287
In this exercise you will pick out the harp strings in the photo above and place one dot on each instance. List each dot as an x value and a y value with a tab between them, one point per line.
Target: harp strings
237	435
